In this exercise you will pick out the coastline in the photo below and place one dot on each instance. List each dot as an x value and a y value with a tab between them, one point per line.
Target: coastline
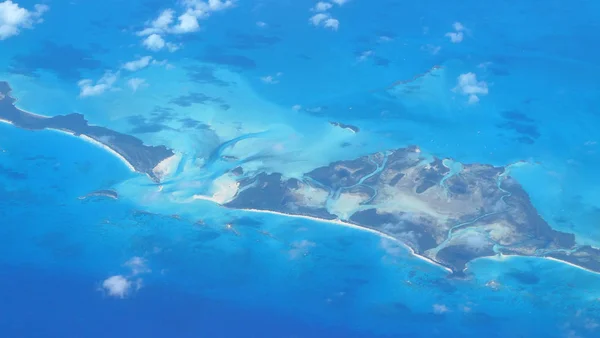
95	142
386	236
16	101
82	136
164	166
335	222
7	122
353	226
109	149
503	257
570	264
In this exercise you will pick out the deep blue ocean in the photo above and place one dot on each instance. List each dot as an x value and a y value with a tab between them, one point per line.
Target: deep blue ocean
494	82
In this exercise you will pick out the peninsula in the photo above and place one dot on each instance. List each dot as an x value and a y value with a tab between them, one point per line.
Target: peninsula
139	157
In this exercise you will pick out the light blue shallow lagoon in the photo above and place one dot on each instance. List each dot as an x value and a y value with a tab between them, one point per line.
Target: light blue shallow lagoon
180	168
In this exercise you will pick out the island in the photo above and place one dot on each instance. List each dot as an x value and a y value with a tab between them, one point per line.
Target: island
101	193
444	211
349	127
140	157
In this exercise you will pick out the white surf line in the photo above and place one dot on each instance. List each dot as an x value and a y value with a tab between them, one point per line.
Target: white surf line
84	137
7	122
28	112
109	149
353	226
97	143
384	235
505	257
570	264
332	221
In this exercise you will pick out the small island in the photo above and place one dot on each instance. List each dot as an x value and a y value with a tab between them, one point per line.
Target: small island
349	127
101	193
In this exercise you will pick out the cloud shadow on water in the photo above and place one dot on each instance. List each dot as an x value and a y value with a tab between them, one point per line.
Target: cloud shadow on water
195	98
64	61
205	75
521	124
252	41
234	61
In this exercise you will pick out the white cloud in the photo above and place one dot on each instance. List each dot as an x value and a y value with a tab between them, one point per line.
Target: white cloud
384	38
455	37
339	2
484	65
296	107
136	83
202	9
164	19
173	47
261	24
458	26
210	5
14	18
467	84
154	42
271	79
137	265
332	23
117	286
440	308
164	63
392	248
317	109
138	64
318	18
364	55
217	5
159	63
431	49
188	23
88	88
300	248
322	6
473	99
458	35
120	286
325	20
160	24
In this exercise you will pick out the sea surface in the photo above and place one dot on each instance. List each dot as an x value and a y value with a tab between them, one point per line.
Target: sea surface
260	74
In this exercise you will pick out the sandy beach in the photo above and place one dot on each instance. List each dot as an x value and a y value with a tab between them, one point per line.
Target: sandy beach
570	264
6	121
333	221
353	226
165	167
109	149
103	146
507	257
84	137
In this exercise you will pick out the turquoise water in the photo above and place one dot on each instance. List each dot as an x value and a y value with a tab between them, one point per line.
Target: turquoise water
269	269
277	276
